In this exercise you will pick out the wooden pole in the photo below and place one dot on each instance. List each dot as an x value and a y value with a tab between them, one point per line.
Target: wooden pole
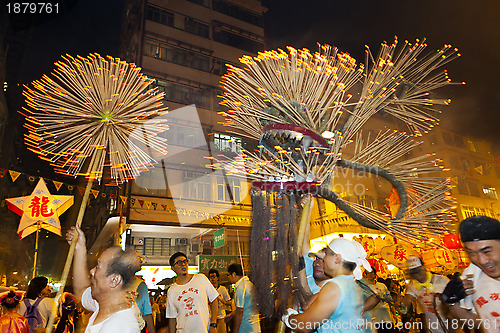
305	217
69	258
36	249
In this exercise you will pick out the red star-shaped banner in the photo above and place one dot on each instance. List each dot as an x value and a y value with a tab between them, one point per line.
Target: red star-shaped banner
39	210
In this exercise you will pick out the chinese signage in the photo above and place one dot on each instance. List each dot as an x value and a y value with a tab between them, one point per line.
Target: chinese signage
219	238
220	263
41	209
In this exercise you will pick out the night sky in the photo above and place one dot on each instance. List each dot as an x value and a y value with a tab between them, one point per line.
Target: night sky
472	26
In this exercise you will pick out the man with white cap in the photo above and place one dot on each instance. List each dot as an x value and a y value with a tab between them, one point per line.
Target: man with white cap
480	236
339	304
422	288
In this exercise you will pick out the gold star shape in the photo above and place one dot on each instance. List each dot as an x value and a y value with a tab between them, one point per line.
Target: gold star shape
39	210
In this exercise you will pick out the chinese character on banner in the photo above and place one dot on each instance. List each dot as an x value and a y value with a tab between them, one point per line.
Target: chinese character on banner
445	258
39	210
397	254
368	244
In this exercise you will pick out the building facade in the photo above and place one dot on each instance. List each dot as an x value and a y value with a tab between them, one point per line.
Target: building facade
184	45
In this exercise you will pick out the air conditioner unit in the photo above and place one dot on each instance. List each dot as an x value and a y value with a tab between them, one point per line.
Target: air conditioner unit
138	241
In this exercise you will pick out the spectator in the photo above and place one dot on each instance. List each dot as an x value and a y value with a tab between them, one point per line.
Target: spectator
224	299
140	294
11	321
422	288
246	316
37	296
188	299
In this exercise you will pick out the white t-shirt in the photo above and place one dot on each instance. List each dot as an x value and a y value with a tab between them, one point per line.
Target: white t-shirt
225	296
486	299
124	321
45	307
426	300
188	304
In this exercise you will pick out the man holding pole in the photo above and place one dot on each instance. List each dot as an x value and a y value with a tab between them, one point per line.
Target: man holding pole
105	291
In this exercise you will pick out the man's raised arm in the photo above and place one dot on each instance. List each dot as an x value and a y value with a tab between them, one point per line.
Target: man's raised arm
81	279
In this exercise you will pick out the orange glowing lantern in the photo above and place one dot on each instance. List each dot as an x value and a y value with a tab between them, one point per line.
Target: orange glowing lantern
446	258
398	254
452	241
440	257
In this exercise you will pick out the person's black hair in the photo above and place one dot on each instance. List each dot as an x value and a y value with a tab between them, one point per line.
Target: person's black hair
36	286
349	265
125	264
10	301
175	256
235	268
213	270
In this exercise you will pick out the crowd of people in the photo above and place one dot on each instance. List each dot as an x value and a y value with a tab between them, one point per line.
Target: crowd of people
341	294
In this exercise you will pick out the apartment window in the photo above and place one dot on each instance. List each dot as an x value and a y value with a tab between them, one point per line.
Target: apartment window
160	16
223	190
237	12
185	94
186	136
196	27
195	186
240	42
456	162
468	187
466	165
448	139
459	141
157	50
227	143
177	55
490	192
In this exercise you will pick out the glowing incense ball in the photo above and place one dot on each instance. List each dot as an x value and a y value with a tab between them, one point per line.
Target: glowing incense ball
95	104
